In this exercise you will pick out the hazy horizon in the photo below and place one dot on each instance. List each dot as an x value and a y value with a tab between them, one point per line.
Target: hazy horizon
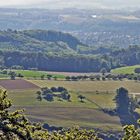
59	4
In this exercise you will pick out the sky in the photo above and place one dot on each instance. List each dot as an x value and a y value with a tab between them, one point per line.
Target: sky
82	4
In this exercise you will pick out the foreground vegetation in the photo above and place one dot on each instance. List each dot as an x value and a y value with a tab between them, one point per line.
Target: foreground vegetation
15	126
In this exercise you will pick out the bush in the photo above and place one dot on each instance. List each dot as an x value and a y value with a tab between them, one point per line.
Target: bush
137	70
49	97
54	89
60	89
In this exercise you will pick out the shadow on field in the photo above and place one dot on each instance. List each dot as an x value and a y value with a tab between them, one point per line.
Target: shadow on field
128	119
51	128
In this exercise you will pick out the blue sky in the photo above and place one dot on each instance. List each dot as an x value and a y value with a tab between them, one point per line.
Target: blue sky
70	3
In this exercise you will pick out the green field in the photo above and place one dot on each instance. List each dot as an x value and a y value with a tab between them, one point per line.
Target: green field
125	70
3	76
32	74
37	74
68	114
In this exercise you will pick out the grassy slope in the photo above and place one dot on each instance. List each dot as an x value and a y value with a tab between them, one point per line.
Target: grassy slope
125	70
67	114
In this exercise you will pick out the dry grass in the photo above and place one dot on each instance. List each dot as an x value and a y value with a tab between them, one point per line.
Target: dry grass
71	116
91	86
67	114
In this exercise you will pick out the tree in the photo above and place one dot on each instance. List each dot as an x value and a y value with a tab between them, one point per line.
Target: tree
14	125
55	78
92	78
74	78
61	89
12	75
68	97
17	67
131	133
54	89
103	78
122	101
49	97
137	70
81	97
103	71
4	72
98	77
39	97
65	95
68	78
49	76
42	77
20	75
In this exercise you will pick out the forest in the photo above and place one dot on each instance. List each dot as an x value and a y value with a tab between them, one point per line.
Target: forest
45	50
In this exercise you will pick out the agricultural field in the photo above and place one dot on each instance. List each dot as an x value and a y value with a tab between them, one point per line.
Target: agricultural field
67	114
125	70
99	94
33	74
37	74
3	76
91	86
17	84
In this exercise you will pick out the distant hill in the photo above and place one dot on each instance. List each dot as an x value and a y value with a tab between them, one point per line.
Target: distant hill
38	40
45	50
58	51
97	27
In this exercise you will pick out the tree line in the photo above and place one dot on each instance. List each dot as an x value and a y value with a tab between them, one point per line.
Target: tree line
70	62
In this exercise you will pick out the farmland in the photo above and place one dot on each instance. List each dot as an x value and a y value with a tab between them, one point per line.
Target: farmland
32	74
67	114
17	85
90	86
99	94
125	70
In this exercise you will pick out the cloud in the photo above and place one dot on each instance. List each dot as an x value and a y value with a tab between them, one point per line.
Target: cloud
15	2
70	3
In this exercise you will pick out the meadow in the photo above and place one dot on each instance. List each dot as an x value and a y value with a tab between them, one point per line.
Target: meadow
33	74
99	94
91	86
68	114
125	70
